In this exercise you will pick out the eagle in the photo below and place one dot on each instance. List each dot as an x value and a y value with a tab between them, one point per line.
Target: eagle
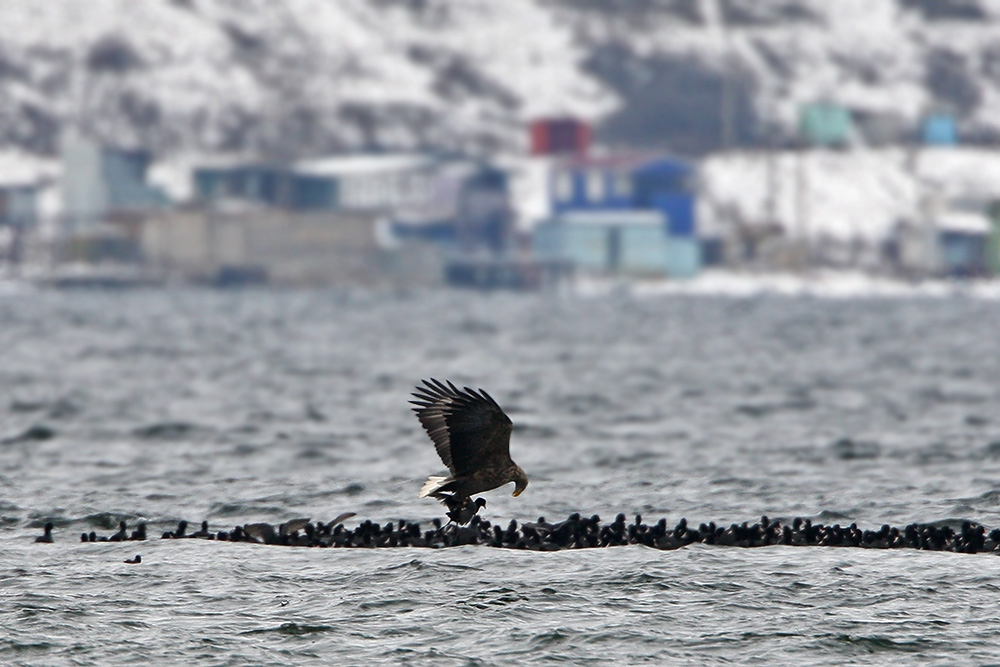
472	436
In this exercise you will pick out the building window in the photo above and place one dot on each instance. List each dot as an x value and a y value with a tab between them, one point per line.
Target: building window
362	188
623	185
367	193
349	193
595	186
254	190
564	186
420	189
373	191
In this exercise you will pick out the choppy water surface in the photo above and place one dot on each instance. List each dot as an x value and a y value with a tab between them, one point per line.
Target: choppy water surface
248	406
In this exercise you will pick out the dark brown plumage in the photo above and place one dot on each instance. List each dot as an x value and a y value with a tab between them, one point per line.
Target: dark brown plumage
472	436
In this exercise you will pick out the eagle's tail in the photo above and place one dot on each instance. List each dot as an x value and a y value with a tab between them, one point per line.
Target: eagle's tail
433	486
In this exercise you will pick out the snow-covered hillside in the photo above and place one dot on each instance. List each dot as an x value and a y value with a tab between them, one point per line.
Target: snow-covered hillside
290	77
302	77
731	71
847	195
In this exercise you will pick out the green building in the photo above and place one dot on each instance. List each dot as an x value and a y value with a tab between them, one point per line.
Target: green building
825	124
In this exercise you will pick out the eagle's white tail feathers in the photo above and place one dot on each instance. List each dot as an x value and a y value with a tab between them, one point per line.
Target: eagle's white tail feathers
432	484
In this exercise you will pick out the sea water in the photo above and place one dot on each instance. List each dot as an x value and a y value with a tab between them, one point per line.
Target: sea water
261	405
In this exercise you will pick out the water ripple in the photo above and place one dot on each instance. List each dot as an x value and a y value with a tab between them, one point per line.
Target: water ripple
267	406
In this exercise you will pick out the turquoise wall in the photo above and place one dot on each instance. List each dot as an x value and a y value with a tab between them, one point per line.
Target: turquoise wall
610	243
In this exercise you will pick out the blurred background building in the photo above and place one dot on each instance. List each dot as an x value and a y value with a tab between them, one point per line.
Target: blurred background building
497	144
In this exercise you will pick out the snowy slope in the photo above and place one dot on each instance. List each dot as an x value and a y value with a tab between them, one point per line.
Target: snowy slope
693	61
301	77
846	195
290	77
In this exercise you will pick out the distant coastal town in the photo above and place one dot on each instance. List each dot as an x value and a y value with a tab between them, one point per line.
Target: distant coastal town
845	195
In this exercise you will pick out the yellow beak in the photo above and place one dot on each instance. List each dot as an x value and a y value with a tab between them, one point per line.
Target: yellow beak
516	494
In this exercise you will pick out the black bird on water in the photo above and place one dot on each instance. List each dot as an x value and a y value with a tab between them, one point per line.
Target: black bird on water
176	534
203	533
462	510
122	533
472	436
139	533
47	537
133	561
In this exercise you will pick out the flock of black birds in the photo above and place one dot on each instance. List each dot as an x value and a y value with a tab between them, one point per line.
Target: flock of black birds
577	532
471	434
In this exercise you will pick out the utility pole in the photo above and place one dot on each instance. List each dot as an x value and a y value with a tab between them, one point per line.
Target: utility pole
726	107
771	164
713	16
801	202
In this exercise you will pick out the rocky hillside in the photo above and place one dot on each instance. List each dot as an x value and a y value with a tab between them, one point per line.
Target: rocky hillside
301	77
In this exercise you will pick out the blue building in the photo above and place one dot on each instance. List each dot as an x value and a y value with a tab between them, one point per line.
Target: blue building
18	205
615	242
628	183
425	196
99	181
636	188
939	129
963	238
256	182
270	185
964	253
379	182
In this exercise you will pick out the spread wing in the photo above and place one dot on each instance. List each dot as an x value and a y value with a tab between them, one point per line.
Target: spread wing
469	430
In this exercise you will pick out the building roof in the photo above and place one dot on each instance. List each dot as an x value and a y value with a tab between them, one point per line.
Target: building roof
963	222
613	218
363	164
20	170
624	161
